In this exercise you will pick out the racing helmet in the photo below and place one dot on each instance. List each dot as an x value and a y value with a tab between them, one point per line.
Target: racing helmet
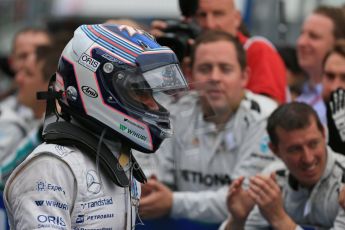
118	77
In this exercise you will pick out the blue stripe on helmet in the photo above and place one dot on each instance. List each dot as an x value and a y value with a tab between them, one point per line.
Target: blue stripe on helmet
119	52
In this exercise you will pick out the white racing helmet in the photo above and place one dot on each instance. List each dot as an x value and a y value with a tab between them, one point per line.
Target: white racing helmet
114	76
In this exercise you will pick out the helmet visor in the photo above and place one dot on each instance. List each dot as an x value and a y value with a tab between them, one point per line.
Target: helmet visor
152	90
167	79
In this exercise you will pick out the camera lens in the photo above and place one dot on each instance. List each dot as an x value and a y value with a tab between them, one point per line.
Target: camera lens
176	37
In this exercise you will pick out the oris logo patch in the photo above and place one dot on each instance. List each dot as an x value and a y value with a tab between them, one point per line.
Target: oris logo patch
88	91
88	62
56	221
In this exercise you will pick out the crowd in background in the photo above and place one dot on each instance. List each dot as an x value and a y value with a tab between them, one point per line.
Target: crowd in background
259	139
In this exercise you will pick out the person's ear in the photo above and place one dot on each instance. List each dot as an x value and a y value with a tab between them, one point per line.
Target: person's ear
187	69
245	76
274	149
323	131
237	19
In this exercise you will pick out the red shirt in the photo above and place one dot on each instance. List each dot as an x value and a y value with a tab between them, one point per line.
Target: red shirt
267	70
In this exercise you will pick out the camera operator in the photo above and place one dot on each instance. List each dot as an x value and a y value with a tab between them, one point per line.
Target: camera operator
267	75
179	34
188	10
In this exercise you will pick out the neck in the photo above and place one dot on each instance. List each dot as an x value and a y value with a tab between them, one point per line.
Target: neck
315	77
220	116
220	119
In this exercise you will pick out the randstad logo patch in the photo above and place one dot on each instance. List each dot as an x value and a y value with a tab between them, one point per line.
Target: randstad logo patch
88	62
97	203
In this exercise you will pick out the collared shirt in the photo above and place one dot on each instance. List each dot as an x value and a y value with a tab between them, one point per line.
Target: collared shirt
312	97
200	161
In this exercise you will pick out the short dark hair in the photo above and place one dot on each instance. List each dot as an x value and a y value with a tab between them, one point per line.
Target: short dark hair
291	116
49	58
50	54
216	35
336	15
33	30
289	56
338	48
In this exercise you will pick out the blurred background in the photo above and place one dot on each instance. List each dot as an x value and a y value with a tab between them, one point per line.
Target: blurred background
278	20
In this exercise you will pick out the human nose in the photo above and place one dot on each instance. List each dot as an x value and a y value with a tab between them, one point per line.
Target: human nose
210	22
302	40
149	102
19	76
215	75
307	156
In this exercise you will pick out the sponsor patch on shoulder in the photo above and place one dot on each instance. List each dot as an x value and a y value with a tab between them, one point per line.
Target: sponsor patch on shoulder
264	144
88	62
61	150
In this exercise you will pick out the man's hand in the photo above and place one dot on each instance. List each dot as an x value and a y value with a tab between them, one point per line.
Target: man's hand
157	28
337	105
238	201
239	204
157	200
266	193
